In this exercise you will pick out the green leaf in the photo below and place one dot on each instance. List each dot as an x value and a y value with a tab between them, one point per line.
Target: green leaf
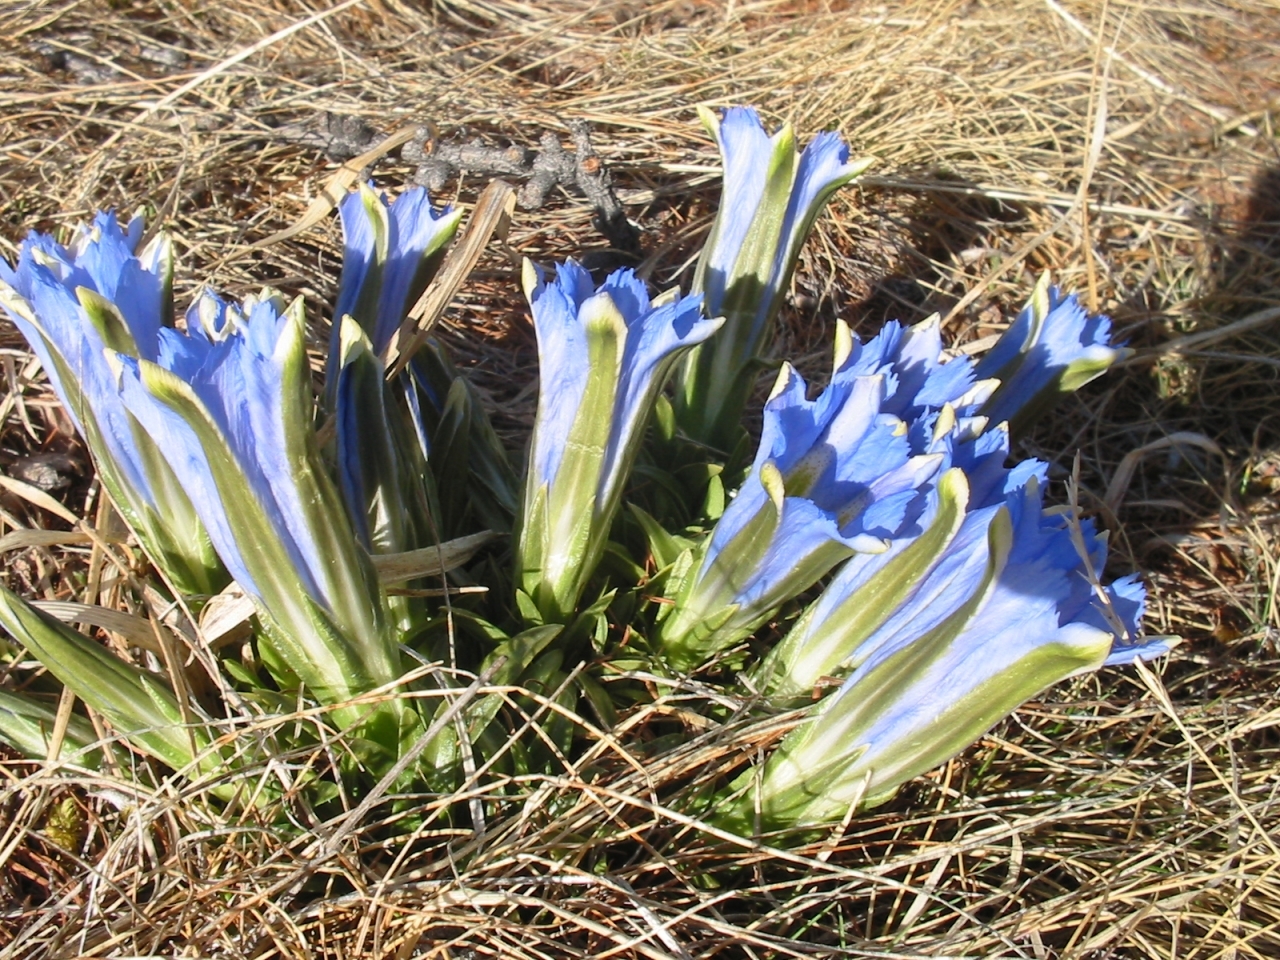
451	454
714	502
27	726
664	546
466	620
512	659
617	561
529	611
664	419
587	620
140	705
599	699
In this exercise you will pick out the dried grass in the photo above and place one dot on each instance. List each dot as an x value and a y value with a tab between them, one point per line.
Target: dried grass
1127	146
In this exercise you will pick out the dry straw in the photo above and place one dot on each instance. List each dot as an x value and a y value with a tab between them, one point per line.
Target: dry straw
1129	147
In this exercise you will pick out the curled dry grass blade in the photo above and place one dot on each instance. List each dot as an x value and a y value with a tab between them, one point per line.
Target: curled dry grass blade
1111	819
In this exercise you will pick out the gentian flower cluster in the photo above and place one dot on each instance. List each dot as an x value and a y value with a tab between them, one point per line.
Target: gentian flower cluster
954	573
943	593
73	303
230	403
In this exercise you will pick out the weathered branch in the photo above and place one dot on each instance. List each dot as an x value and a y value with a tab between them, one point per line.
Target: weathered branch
543	170
550	166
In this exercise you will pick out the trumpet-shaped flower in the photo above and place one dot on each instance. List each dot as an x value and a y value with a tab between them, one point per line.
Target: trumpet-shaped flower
841	475
827	639
1053	347
72	303
1006	608
770	201
392	250
229	402
603	357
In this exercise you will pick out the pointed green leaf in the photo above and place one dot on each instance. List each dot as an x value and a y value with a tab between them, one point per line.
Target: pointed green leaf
529	611
138	704
27	726
664	419
664	546
451	454
511	658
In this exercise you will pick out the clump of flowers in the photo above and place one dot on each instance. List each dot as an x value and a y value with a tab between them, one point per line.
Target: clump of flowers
941	592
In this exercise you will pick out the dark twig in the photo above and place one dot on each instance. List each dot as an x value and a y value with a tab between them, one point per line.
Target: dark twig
542	170
340	136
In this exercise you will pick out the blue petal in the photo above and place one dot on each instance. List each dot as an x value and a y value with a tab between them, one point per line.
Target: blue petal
985	650
746	150
1068	334
955	577
630	296
103	250
47	287
1128	601
562	363
792	424
187	459
803	529
414	225
358	255
653	335
823	163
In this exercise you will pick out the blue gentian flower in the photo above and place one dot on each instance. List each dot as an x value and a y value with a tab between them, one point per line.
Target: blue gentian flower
603	357
391	250
74	302
1006	609
770	201
840	475
866	590
1054	346
229	403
